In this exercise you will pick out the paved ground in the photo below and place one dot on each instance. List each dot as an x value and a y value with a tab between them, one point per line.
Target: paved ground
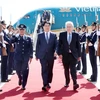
97	84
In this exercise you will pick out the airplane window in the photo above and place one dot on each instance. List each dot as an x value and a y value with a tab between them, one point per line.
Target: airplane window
87	14
67	15
83	14
27	16
90	14
63	15
78	15
70	15
74	15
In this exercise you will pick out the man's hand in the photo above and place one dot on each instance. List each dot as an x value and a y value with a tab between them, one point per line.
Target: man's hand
60	56
36	59
55	54
79	58
30	60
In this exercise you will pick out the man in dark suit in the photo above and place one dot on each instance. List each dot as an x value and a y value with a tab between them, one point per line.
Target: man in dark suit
23	54
45	50
70	52
92	52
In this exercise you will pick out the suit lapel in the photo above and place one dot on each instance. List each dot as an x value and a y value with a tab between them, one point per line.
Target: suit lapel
71	39
50	38
66	37
44	38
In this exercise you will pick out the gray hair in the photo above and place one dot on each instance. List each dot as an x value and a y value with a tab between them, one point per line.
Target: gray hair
69	22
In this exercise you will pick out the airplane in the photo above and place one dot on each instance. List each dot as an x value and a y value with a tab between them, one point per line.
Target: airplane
78	15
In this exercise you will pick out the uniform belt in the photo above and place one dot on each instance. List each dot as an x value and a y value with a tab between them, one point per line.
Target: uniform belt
82	42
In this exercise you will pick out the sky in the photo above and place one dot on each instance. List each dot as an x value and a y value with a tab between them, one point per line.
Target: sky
12	10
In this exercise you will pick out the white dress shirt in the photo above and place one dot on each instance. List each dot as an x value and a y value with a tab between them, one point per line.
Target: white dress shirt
48	35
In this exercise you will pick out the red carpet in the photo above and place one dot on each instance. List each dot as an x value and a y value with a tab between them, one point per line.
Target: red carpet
11	90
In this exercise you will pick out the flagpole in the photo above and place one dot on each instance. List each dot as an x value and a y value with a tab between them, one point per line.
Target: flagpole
96	16
84	17
17	24
86	23
0	13
10	19
77	22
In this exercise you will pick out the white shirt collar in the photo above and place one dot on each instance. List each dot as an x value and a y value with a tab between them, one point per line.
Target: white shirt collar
69	33
48	33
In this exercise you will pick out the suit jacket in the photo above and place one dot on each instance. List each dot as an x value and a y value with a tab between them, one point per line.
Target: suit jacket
46	50
23	48
63	46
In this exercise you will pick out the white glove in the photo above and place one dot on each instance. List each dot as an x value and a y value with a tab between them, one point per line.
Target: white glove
87	34
90	44
98	33
4	45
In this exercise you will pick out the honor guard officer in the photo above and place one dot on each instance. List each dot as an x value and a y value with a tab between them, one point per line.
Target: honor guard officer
92	52
4	56
78	30
23	54
83	53
11	52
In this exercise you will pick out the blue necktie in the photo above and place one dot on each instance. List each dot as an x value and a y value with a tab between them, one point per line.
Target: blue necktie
69	38
47	39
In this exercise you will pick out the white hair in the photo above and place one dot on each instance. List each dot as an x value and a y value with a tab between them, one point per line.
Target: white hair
69	22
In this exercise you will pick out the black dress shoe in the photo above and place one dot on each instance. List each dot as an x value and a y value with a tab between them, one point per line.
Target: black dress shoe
8	80
75	87
23	88
44	89
91	80
82	73
0	90
77	69
48	86
66	85
5	80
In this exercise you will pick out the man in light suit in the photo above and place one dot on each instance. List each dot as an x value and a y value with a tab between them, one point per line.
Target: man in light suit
70	52
45	50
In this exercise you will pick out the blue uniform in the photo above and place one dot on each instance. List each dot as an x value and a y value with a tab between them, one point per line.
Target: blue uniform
23	52
4	58
83	53
10	57
92	54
